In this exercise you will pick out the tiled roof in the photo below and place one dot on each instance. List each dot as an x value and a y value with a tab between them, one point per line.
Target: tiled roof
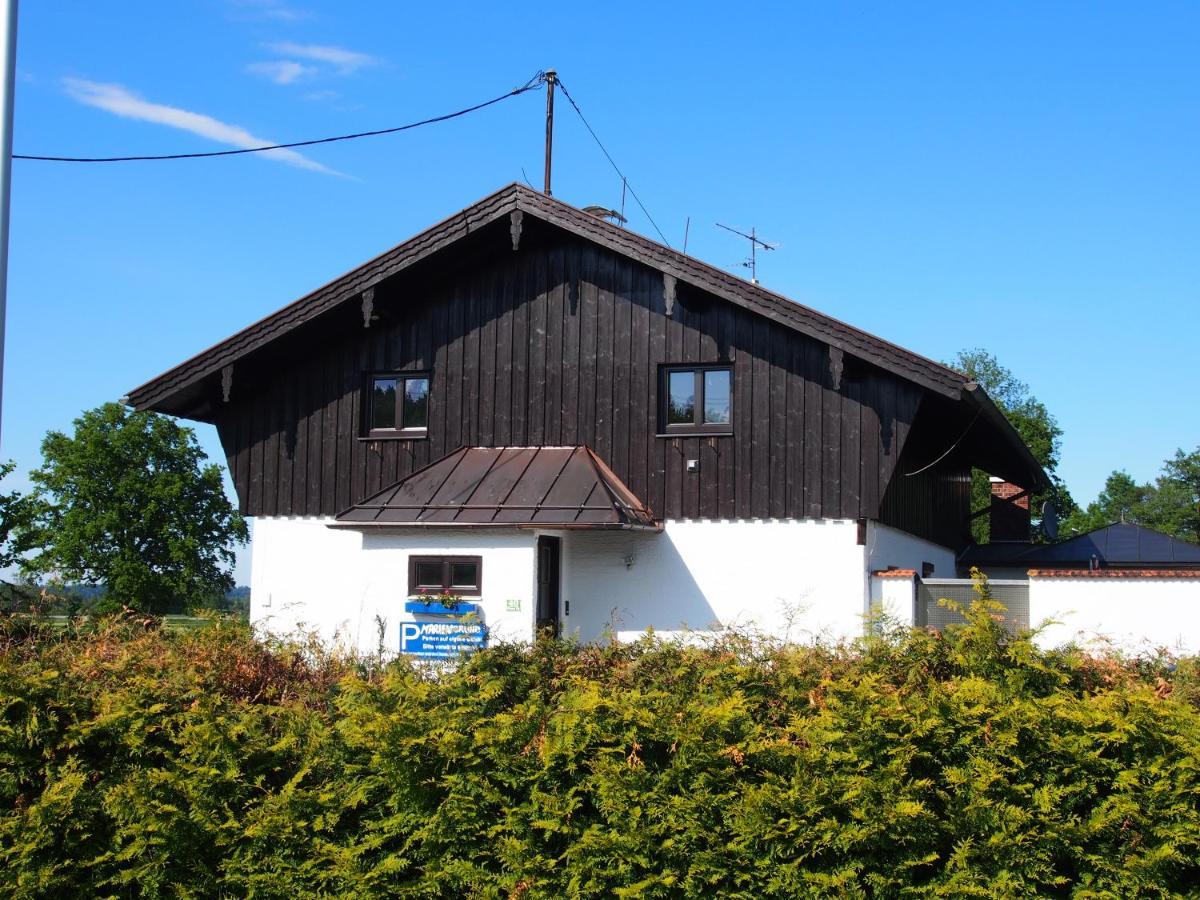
519	198
1114	573
1120	545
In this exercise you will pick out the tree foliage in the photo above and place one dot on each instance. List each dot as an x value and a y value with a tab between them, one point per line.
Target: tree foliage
1036	425
135	763
1170	503
127	501
16	517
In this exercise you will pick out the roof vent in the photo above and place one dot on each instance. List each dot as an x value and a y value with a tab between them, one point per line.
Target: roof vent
603	212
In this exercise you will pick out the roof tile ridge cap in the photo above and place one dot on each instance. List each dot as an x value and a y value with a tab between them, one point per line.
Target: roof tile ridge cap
785	302
286	312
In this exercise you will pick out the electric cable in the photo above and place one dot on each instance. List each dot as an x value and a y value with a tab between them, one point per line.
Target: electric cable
536	81
611	161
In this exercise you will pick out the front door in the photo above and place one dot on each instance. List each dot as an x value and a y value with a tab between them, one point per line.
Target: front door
549	551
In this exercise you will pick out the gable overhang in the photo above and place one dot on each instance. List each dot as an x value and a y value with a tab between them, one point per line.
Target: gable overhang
1014	462
192	388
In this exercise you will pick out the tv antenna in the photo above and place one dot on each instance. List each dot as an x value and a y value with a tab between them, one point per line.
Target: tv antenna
755	243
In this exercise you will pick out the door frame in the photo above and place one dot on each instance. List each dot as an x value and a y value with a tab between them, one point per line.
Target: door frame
549	554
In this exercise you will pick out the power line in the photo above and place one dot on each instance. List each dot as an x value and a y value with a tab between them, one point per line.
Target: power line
536	81
611	162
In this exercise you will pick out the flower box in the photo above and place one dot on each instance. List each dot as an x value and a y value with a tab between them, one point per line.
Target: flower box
427	608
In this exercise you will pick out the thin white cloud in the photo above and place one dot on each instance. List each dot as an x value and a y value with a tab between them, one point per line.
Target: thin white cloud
281	71
322	96
120	101
346	61
270	10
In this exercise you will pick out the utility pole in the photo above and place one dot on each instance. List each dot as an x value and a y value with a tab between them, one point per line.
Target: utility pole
8	45
755	243
551	80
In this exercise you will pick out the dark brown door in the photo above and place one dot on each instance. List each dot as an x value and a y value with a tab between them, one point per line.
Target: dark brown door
549	551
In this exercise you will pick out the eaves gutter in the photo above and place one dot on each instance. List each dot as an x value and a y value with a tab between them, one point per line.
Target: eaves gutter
525	526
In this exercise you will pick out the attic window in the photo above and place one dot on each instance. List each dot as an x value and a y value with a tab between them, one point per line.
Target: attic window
696	400
398	405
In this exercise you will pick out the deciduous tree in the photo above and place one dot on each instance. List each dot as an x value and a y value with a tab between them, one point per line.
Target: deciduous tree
128	501
1171	503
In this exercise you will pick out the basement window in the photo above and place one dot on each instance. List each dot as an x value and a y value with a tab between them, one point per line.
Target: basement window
461	575
398	405
696	400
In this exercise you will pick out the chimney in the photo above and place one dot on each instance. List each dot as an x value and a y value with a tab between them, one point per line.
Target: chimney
1009	515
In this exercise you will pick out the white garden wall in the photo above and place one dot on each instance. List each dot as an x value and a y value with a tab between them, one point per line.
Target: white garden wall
890	548
795	579
335	581
1134	613
790	579
895	597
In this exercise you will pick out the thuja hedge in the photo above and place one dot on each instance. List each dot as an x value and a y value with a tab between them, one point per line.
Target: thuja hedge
140	763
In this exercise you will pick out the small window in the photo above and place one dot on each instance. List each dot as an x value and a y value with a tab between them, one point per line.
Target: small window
398	405
445	574
697	400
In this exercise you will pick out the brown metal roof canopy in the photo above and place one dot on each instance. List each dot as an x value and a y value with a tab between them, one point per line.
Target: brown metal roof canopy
523	487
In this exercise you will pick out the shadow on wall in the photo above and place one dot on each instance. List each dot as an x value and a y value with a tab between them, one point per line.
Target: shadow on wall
626	583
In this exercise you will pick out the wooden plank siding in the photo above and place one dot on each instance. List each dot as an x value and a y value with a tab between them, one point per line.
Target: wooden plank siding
561	343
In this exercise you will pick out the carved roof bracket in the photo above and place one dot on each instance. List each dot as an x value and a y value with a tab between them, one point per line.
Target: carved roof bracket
368	306
837	365
514	228
669	284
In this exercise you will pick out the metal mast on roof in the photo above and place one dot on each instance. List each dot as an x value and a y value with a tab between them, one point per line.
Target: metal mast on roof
755	243
551	80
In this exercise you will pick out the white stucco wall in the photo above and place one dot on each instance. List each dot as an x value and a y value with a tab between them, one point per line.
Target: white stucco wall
889	547
1134	614
308	577
791	579
895	598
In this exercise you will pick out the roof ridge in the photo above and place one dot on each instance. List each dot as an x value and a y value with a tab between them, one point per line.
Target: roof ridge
514	196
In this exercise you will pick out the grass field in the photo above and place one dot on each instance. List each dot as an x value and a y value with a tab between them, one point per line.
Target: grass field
170	622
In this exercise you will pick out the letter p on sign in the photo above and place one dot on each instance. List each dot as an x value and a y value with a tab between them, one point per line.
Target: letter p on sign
409	631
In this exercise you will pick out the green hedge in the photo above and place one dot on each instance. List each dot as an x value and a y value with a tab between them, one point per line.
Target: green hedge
136	762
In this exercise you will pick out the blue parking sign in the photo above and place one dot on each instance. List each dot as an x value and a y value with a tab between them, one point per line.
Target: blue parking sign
441	640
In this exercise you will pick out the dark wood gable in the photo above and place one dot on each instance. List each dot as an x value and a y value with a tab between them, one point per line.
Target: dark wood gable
542	326
559	344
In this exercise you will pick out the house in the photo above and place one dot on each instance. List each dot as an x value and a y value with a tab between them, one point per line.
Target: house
1123	585
566	425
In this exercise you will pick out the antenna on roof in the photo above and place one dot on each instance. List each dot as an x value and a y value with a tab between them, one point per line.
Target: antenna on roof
755	243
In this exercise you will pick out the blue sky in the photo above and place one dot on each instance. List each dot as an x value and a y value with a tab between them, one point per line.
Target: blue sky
945	175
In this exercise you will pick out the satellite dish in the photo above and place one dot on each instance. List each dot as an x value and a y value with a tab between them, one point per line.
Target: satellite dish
1049	520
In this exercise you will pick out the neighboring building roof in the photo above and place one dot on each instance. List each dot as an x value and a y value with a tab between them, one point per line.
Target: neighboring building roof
544	487
1119	545
1114	573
